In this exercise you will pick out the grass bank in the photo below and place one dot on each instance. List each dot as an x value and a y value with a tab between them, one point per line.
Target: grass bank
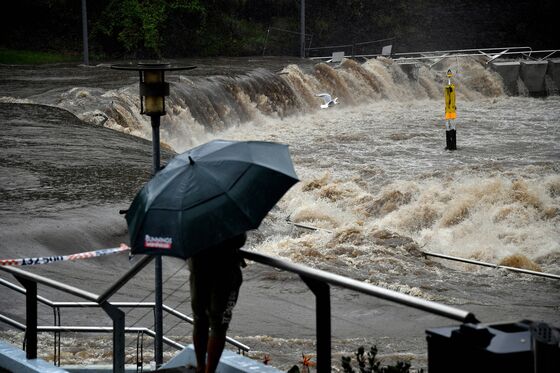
12	56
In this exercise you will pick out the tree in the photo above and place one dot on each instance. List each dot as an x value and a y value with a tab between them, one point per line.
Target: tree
141	26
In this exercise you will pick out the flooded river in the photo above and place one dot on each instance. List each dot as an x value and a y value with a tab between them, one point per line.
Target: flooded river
376	182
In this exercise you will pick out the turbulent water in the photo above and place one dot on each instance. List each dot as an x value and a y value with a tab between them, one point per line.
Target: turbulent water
376	161
375	178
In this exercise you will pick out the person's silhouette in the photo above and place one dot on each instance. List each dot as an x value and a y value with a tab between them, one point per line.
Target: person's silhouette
215	280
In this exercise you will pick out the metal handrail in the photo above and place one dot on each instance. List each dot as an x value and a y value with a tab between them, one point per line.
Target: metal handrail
318	282
349	45
89	329
491	265
505	52
21	290
50	283
98	299
12	322
347	48
491	53
520	50
365	288
30	281
55	304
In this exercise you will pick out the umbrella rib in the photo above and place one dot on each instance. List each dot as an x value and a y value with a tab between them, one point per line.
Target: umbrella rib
224	190
235	182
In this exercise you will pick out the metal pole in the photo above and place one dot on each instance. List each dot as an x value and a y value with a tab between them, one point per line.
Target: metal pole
323	321
30	317
85	32
118	336
492	265
302	31
158	309
158	313
155	143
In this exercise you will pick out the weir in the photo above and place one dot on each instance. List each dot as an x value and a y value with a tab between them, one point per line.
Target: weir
221	102
514	64
503	60
212	103
515	67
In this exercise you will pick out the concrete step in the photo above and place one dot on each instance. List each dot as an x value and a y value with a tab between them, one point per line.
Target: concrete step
230	362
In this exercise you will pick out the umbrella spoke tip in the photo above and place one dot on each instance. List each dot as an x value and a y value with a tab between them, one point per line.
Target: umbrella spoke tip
191	161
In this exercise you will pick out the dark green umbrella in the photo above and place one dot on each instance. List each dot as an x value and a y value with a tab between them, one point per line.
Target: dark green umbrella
208	194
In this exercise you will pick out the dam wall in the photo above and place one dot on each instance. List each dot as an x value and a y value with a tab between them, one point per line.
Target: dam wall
540	78
509	71
553	71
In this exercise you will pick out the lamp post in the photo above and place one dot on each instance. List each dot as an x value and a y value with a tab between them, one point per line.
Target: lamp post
302	29
153	90
85	32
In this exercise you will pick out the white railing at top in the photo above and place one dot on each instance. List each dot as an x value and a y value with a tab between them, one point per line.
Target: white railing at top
490	54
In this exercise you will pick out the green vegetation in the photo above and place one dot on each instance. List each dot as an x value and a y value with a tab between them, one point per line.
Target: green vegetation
368	363
197	28
16	57
143	25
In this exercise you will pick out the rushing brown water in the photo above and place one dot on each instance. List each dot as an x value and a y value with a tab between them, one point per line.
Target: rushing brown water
375	180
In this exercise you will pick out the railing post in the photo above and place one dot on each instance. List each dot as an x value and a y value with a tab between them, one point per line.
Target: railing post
118	335
323	320
30	317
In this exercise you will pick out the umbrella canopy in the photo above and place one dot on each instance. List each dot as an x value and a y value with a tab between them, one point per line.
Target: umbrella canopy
208	194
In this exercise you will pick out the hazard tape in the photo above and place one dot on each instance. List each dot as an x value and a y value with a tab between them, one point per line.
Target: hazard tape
60	258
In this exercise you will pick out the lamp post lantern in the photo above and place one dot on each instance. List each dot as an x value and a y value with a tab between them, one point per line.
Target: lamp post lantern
153	90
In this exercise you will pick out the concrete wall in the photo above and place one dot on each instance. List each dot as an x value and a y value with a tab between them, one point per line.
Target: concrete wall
13	359
532	74
553	71
509	71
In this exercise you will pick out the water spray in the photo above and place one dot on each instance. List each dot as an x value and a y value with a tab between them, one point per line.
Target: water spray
447	257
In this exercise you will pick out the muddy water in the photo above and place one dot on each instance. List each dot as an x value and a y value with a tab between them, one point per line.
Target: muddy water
375	180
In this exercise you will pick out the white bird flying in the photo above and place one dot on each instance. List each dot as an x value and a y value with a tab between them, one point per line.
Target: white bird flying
328	100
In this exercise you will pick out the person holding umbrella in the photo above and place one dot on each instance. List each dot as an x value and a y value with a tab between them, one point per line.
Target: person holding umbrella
199	207
215	280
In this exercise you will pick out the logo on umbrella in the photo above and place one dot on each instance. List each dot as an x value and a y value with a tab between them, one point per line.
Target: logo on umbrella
158	242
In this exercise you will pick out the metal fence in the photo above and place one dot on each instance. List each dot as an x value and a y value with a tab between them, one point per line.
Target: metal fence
318	281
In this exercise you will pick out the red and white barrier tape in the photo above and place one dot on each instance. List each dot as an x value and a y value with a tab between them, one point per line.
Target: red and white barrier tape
60	258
